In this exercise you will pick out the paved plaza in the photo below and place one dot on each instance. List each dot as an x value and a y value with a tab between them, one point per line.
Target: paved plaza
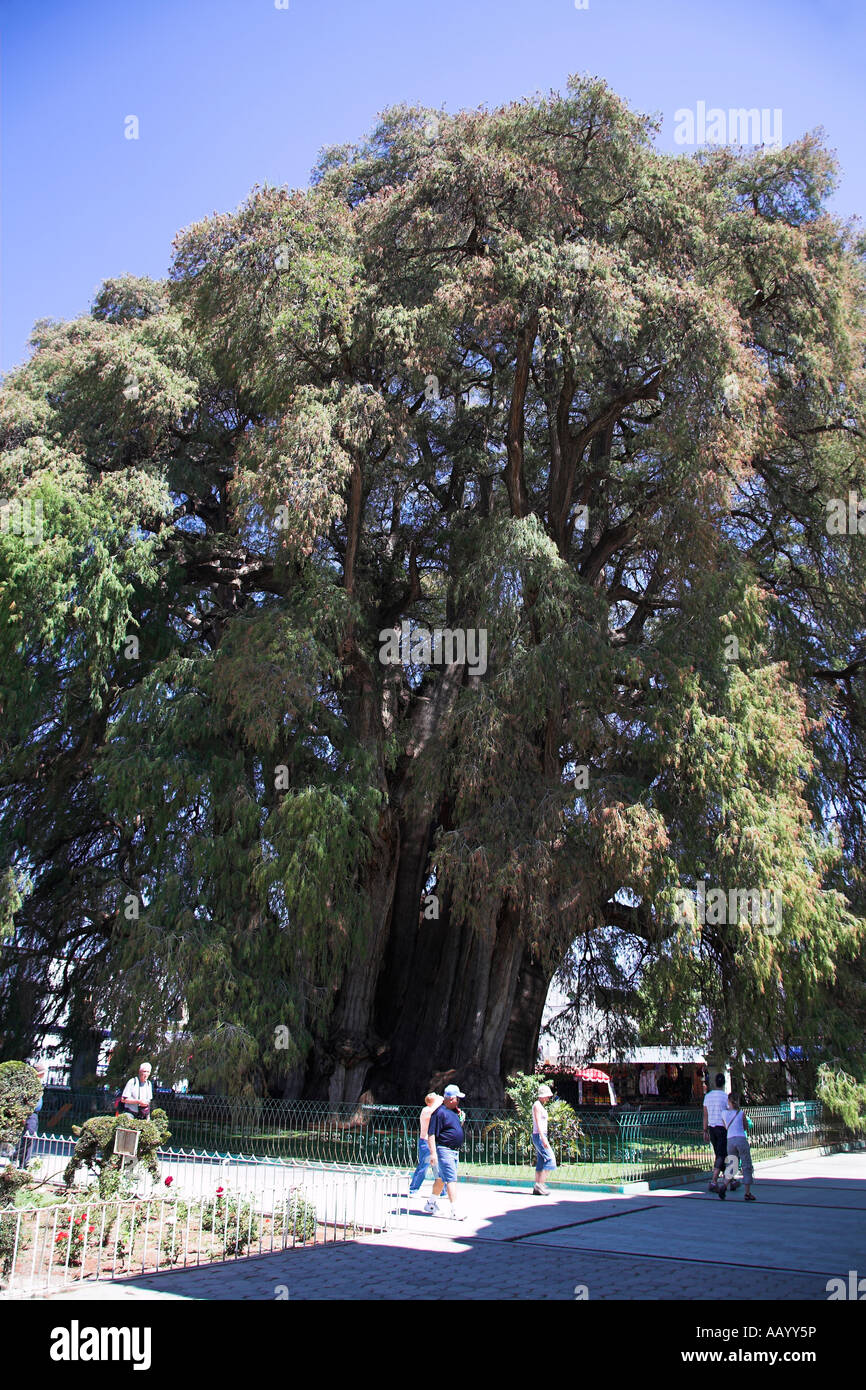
808	1226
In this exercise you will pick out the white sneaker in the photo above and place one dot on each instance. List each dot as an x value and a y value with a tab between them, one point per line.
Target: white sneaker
458	1216
431	1206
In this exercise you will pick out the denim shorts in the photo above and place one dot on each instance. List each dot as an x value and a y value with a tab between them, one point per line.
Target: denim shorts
423	1166
446	1163
546	1161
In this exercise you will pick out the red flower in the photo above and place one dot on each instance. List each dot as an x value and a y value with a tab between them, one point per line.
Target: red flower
61	1235
91	1228
220	1191
169	1181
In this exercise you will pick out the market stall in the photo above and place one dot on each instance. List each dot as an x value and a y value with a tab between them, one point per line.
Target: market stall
645	1077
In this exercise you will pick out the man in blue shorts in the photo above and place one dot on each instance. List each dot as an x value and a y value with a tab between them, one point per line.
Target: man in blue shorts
445	1136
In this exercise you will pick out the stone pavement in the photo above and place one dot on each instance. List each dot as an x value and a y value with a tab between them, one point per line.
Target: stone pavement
808	1225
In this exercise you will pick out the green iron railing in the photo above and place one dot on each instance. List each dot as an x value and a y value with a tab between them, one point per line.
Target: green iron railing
612	1145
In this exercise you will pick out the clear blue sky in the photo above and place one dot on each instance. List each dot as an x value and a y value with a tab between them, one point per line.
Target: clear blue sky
230	93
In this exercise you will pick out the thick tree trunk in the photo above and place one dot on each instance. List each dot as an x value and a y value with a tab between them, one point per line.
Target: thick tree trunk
450	1017
520	1045
432	999
341	1059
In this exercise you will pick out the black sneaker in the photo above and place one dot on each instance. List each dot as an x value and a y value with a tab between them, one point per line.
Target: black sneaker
722	1192
749	1197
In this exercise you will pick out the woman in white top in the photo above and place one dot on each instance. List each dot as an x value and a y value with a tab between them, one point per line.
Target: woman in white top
738	1148
545	1162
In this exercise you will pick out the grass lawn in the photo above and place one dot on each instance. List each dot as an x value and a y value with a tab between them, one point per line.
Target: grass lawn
582	1173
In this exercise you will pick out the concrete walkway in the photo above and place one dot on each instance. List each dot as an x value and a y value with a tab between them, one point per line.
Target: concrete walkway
807	1226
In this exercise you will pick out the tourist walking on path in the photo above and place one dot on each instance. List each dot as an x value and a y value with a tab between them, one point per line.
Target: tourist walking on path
715	1128
138	1094
545	1161
445	1137
738	1148
432	1101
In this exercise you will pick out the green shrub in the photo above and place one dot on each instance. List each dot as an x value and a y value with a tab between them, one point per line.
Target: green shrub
70	1240
12	1181
564	1130
843	1096
32	1197
175	1214
563	1125
296	1219
20	1089
8	1227
233	1218
95	1149
117	1182
127	1231
172	1247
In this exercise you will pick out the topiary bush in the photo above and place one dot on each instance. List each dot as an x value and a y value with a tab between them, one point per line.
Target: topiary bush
12	1181
20	1089
95	1149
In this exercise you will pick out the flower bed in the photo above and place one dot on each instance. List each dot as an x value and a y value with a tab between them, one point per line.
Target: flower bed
65	1241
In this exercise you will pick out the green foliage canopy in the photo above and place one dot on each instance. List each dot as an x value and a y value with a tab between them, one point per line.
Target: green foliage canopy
527	375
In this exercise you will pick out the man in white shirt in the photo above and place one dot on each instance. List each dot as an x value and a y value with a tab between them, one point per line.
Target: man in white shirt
138	1094
715	1130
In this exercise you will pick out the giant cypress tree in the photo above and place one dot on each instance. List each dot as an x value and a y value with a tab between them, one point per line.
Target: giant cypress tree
514	372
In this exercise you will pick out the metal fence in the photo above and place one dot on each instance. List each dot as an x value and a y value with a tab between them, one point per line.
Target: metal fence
209	1206
201	1174
629	1146
613	1145
218	1208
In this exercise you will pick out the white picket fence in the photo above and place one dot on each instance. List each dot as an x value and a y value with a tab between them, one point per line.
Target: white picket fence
214	1207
